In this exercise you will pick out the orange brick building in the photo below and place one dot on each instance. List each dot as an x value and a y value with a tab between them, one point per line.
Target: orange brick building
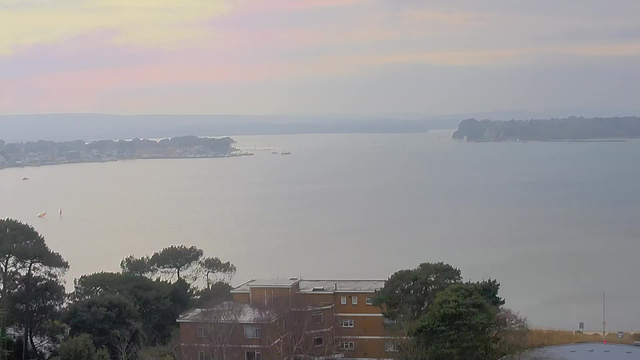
290	319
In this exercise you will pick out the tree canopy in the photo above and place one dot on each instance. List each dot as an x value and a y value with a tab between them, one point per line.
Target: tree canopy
408	293
100	316
81	348
440	317
214	267
176	260
115	315
30	282
158	303
458	326
108	315
137	266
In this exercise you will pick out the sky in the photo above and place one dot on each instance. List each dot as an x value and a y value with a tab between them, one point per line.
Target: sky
317	56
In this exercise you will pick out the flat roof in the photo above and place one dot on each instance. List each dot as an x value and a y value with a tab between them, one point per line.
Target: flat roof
275	283
229	312
315	286
584	351
370	286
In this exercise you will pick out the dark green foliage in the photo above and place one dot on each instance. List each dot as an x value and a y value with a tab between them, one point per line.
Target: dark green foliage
14	348
571	128
88	286
180	295
103	354
30	281
408	293
175	260
114	312
158	303
488	289
212	296
36	307
446	319
79	348
213	267
137	266
458	326
100	316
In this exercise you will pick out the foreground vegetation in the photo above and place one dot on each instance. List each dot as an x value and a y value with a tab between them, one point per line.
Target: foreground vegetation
437	316
125	315
131	314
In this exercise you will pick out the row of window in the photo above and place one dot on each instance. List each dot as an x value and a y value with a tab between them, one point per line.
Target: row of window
354	300
347	345
248	355
347	323
389	346
254	331
250	331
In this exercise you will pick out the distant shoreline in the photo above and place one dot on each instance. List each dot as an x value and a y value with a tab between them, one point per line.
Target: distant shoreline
42	152
590	140
124	159
555	130
558	141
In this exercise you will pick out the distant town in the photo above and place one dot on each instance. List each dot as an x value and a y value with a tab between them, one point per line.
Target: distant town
43	152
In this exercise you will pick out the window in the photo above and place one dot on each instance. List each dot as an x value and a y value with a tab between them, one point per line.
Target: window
348	323
200	331
343	300
201	355
252	355
369	301
316	317
252	331
347	345
391	346
318	341
354	300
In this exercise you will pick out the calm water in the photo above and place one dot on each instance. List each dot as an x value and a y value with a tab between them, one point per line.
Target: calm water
555	223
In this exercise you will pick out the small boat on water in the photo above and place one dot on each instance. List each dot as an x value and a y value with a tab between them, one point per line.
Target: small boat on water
285	153
25	178
274	153
60	212
42	215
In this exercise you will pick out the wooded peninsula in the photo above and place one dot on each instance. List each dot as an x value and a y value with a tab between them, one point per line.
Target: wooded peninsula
571	128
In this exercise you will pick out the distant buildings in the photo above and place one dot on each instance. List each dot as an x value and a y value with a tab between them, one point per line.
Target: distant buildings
50	153
290	319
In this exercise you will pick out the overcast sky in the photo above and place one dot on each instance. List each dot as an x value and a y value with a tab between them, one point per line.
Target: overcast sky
317	56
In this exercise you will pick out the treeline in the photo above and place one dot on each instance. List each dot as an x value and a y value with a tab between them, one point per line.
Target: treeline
221	145
571	128
435	315
129	314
